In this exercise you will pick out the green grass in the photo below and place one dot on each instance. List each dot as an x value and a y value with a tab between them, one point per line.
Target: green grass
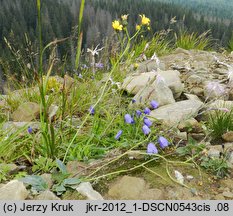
192	40
159	44
230	44
220	122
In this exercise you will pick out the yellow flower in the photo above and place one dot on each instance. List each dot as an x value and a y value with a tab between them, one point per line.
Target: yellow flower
52	84
124	17
145	20
135	66
117	26
138	27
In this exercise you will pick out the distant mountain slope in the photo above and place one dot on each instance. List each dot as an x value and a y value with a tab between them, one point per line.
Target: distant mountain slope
221	9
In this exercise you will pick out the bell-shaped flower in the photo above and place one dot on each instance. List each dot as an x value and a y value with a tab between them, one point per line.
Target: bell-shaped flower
30	130
138	113
128	119
151	149
92	110
118	134
147	122
154	104
147	111
146	130
163	142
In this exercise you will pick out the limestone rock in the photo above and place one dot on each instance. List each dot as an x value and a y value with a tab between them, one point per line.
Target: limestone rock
228	183
128	188
215	90
219	197
86	190
152	194
134	83
26	112
47	195
159	92
173	114
196	90
14	190
173	81
228	136
194	80
12	127
147	66
228	195
190	125
181	193
192	97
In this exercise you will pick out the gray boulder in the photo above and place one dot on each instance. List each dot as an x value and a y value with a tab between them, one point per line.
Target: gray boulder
175	113
14	190
159	92
134	83
173	81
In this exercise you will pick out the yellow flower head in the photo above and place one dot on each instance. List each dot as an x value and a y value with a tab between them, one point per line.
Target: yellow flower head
124	17
138	27
52	84
135	66
145	20
117	26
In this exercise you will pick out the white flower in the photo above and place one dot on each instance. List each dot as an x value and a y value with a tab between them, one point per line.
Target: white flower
95	51
154	57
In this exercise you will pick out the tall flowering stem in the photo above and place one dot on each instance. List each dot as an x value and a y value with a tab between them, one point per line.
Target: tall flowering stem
80	34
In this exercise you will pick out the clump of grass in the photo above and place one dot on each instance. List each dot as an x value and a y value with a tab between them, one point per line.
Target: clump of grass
230	44
219	122
192	40
160	44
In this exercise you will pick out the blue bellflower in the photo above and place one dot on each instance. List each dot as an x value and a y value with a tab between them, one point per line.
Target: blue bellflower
133	101
146	129
147	122
138	113
92	110
30	130
151	149
128	119
154	104
147	111
163	142
118	134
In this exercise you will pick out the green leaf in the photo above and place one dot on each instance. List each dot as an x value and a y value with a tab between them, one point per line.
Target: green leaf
61	166
59	189
71	181
36	182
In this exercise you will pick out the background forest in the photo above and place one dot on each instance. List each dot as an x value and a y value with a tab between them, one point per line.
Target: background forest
18	28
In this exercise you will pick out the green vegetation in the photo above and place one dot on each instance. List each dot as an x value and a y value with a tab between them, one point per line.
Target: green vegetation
189	41
220	122
92	115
